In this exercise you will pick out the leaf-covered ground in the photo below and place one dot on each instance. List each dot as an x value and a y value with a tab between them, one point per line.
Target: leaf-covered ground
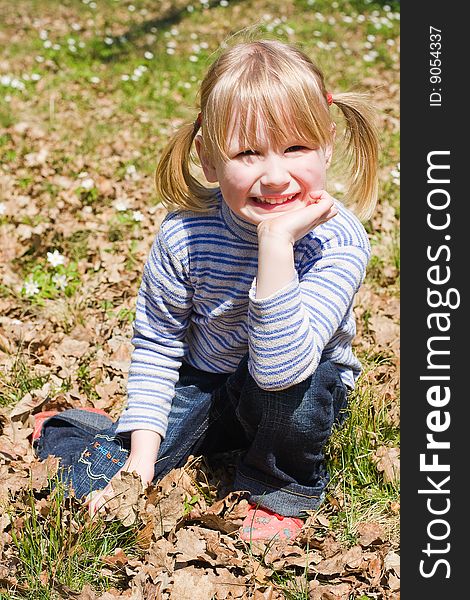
90	92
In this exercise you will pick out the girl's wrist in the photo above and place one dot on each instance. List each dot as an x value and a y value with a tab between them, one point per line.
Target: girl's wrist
268	235
145	445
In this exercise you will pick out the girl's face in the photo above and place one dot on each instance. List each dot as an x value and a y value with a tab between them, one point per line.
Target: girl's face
265	181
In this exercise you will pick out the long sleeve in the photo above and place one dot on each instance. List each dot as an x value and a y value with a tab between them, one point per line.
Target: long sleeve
290	330
164	305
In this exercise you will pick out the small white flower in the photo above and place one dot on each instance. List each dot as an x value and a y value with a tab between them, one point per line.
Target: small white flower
39	59
87	184
47	44
43	34
94	79
35	77
170	50
55	258
108	41
30	288
148	55
125	77
137	216
121	205
190	8
193	58
3	208
223	3
17	84
131	8
60	281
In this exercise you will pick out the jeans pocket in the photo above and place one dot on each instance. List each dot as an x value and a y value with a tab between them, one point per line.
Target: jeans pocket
100	460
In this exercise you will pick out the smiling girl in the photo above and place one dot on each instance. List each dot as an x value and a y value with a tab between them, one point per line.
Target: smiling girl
244	324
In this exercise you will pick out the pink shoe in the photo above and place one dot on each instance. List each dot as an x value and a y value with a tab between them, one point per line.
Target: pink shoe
262	524
39	419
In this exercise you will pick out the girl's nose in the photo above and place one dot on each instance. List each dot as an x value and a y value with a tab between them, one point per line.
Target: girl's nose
275	174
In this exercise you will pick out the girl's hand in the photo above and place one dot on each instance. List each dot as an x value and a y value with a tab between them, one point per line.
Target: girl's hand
96	501
294	224
144	450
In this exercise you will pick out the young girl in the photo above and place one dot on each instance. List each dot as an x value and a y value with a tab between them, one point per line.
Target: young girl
244	317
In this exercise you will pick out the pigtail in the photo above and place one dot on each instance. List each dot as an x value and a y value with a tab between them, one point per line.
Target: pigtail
176	187
362	146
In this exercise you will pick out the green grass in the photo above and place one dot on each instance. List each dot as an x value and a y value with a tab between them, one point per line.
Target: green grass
60	547
365	494
19	380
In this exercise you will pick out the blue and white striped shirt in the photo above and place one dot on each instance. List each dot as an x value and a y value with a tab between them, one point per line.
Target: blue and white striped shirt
197	303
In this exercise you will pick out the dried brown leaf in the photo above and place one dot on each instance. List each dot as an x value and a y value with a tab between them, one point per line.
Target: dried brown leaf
72	347
190	545
387	460
339	563
127	500
192	584
386	332
370	533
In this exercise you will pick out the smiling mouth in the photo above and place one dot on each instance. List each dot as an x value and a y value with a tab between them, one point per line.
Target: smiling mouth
275	200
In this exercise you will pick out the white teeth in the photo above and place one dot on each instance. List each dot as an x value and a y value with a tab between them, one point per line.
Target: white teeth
274	200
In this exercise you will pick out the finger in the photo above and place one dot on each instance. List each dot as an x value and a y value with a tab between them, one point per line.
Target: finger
97	500
318	195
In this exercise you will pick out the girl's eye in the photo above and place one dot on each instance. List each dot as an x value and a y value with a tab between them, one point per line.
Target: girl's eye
247	153
295	148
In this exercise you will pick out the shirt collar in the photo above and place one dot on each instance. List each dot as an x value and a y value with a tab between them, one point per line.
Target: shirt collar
238	226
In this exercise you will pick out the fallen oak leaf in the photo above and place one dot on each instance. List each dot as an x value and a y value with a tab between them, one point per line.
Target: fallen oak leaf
337	564
190	545
43	471
369	533
387	461
30	402
128	498
192	584
118	559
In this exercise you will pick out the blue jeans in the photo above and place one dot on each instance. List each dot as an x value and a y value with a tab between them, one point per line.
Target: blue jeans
282	435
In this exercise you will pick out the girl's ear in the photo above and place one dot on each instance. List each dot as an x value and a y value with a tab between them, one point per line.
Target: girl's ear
329	148
206	162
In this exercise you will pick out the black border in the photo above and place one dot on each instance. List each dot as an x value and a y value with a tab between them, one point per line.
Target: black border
426	128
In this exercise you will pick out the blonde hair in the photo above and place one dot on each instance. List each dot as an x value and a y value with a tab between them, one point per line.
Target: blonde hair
278	83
